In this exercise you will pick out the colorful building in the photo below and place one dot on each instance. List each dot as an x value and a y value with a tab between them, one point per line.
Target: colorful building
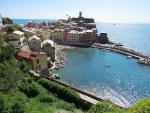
16	39
36	60
49	48
34	43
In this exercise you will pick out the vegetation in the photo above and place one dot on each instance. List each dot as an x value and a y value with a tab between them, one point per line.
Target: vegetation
106	107
7	21
10	28
66	94
23	93
142	106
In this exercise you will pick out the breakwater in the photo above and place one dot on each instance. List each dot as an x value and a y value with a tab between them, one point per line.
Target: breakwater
126	51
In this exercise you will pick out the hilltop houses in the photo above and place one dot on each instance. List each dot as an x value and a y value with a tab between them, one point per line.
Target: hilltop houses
77	31
74	31
16	39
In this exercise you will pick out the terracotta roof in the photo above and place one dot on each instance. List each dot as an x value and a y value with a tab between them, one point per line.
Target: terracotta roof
26	54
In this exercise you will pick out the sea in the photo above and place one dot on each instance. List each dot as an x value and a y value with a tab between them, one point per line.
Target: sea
109	75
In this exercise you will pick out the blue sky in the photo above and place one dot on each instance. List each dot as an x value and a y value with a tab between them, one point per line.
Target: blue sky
127	11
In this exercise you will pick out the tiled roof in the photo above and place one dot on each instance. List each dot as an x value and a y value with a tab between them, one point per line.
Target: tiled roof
26	54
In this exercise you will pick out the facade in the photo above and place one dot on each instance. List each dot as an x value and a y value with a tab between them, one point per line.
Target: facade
34	43
49	48
36	60
16	39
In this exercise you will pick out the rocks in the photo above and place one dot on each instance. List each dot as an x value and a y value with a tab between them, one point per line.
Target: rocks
145	61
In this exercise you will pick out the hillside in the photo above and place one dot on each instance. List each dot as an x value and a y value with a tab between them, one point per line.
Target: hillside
21	92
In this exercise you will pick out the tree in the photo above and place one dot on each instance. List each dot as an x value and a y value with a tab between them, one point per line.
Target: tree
9	75
7	21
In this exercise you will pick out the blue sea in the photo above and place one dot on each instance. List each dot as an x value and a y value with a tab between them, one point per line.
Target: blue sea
110	75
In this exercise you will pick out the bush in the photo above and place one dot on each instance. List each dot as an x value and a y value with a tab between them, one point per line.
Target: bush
106	107
67	94
1	104
18	107
142	106
30	90
46	98
65	106
7	21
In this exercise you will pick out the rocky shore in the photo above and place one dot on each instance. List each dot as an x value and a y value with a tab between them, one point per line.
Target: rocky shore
60	58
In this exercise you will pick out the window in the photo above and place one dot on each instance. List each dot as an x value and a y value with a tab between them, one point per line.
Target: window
37	61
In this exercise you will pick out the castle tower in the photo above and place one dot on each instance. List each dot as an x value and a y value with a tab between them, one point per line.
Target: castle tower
80	14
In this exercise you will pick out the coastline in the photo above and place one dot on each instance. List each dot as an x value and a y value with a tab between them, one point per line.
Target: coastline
60	58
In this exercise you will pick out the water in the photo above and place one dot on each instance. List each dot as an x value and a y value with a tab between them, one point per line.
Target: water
25	21
136	36
125	81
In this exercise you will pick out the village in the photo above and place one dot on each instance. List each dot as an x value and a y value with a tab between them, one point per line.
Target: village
39	44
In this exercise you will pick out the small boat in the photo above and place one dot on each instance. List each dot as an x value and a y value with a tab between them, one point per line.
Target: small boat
107	66
57	76
129	57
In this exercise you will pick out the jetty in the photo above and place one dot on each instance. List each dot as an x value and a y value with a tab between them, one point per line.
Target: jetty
142	59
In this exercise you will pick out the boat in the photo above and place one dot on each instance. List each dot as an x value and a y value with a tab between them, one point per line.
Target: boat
55	76
129	57
107	66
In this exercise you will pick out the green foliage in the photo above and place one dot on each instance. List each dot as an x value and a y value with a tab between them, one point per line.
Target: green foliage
11	28
65	106
29	88
64	93
24	66
142	106
47	98
9	75
7	21
106	107
6	53
1	104
18	107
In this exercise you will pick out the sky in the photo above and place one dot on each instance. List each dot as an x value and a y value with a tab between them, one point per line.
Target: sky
116	11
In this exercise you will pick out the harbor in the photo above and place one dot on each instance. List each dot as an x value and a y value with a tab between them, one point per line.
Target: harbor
142	59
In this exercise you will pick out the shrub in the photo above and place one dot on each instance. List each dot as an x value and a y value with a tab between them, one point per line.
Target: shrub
18	107
1	104
67	94
65	106
105	107
142	106
47	98
30	90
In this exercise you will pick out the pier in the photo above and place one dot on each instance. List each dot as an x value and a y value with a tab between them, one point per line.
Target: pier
142	59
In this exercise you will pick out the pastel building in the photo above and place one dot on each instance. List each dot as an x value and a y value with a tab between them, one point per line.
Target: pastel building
16	39
36	60
49	48
34	43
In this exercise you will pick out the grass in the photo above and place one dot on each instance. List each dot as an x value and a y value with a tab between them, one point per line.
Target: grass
24	101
